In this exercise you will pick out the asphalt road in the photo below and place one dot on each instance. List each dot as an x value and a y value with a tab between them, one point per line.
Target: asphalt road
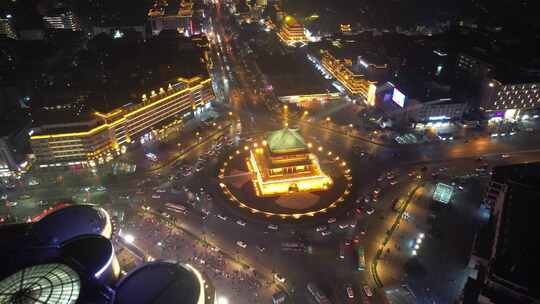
322	265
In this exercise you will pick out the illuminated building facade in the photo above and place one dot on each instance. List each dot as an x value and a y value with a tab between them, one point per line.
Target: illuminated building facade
517	95
355	82
292	32
105	135
284	165
63	20
6	29
186	16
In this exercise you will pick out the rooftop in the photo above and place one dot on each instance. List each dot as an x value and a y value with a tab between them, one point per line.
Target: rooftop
163	283
285	141
292	75
516	248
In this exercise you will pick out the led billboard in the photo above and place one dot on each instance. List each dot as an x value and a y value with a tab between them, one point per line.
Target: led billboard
398	98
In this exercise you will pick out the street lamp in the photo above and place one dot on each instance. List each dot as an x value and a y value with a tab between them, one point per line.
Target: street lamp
222	300
129	238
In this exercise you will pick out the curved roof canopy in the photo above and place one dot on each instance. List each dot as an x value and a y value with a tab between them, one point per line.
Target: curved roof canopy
162	282
46	283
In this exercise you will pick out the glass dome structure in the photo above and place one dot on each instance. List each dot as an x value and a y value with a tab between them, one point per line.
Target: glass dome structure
47	283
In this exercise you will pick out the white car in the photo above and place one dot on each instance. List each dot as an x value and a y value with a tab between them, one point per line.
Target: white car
223	217
156	196
161	190
241	223
343	226
394	182
279	278
505	155
368	291
11	204
273	227
350	292
325	233
370	210
332	220
241	244
321	228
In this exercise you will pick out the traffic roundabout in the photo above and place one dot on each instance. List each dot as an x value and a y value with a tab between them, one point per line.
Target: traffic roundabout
305	181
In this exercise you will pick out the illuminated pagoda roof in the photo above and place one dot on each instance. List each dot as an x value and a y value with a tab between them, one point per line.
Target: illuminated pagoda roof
286	141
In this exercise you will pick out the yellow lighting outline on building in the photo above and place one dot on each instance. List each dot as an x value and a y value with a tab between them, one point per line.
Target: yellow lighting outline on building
296	216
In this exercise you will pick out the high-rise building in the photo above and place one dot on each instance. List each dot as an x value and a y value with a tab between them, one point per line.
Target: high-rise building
503	259
186	16
62	19
13	143
350	72
100	137
6	28
510	95
66	255
292	32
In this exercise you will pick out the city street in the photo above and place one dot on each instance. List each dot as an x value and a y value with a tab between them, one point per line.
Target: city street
244	254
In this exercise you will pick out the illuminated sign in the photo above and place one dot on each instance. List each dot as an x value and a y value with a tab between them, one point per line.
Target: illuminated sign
371	95
442	117
398	98
443	193
363	63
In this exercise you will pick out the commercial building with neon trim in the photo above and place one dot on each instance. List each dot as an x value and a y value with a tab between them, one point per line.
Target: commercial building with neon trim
102	136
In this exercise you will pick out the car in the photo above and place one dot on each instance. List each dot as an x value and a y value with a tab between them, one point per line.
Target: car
359	211
366	199
241	223
241	244
279	278
332	220
350	292
505	155
377	191
222	217
343	226
101	188
11	204
156	196
394	182
272	227
321	228
375	199
43	203
326	232
368	291
261	248
370	210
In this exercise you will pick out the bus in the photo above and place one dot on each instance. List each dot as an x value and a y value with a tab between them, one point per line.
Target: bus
361	266
317	294
176	208
293	246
